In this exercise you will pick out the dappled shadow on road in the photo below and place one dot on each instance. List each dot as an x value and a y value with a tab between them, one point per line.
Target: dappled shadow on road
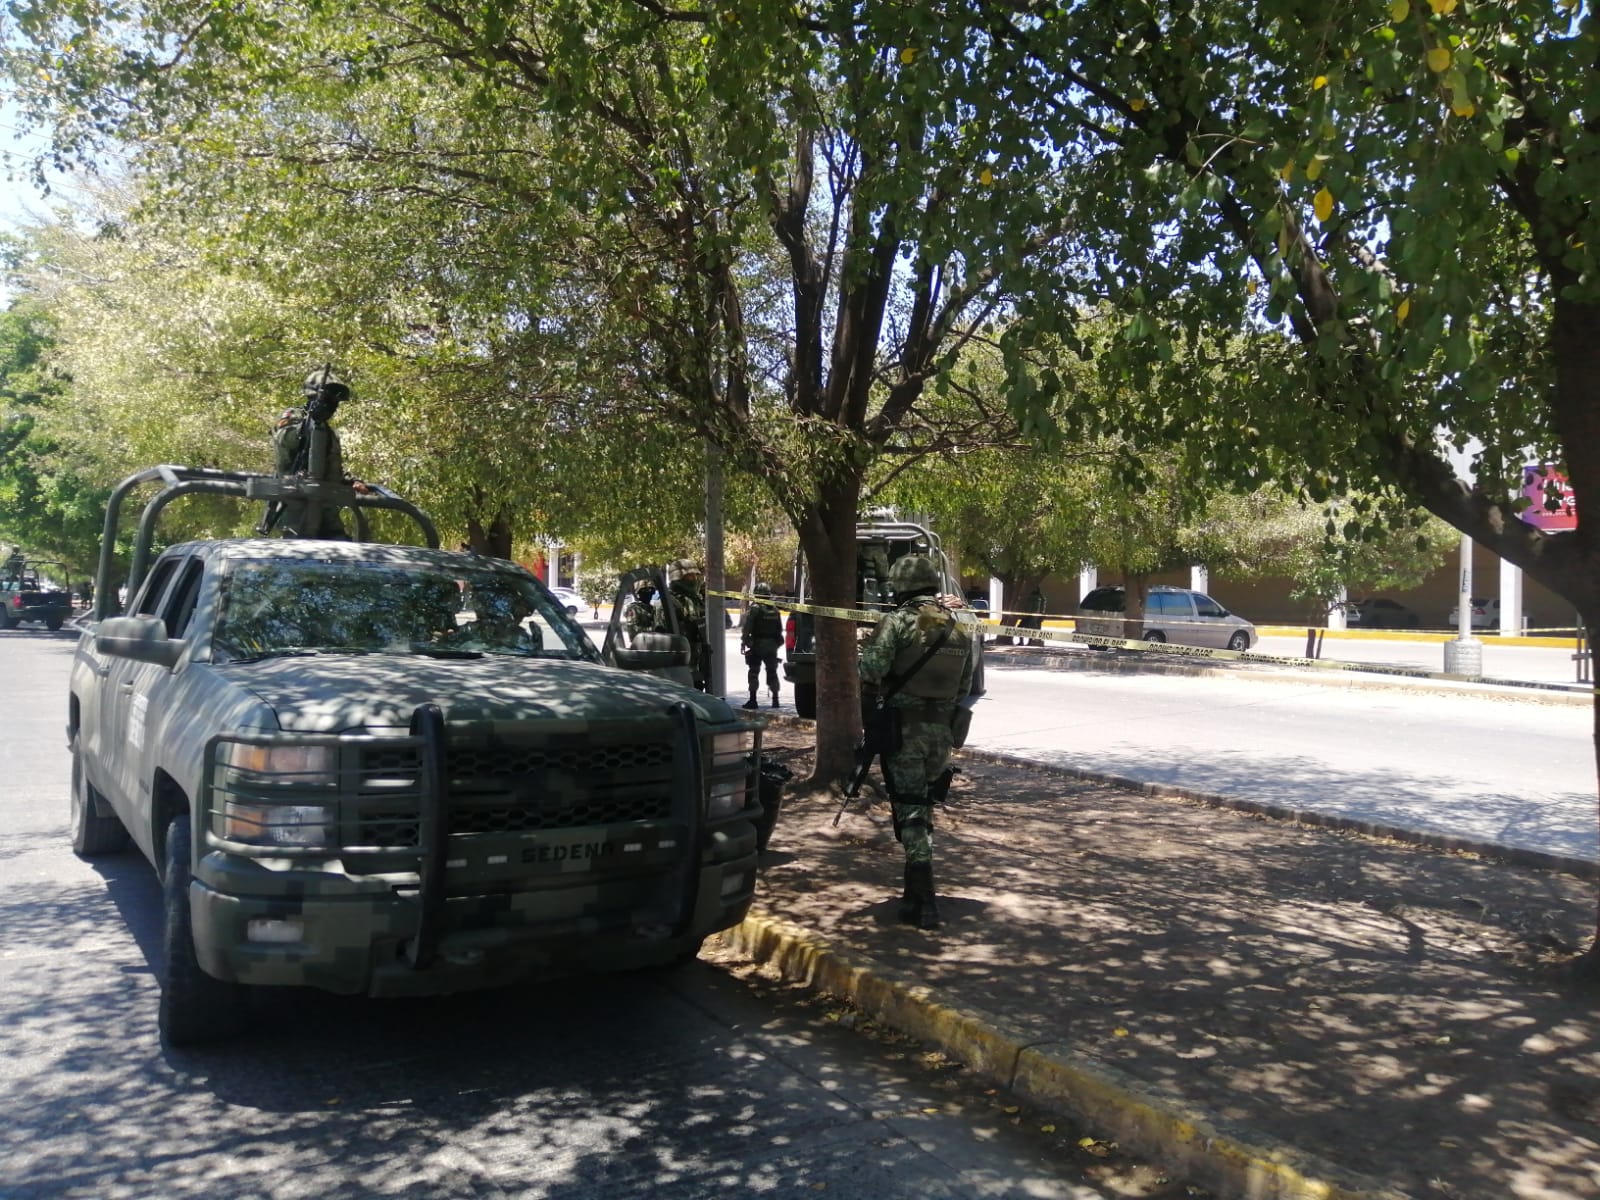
604	1087
1385	1007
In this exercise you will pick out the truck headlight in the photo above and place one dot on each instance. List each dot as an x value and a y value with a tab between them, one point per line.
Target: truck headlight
725	747
298	825
725	798
730	782
269	765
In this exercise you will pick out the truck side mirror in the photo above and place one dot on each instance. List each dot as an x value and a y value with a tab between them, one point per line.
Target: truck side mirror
141	638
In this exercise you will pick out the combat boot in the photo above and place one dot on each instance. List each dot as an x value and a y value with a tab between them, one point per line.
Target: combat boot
910	903
750	703
774	699
919	877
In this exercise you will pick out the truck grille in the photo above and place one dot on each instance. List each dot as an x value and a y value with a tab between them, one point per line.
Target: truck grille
510	788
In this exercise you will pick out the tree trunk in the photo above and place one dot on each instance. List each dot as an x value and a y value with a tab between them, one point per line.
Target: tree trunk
493	540
1135	589
828	539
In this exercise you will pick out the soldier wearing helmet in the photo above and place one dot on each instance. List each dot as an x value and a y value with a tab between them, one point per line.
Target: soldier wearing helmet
304	444
640	615
686	594
921	656
760	635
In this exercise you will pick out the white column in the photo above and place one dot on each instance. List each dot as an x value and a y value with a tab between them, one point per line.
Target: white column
1199	578
1336	614
997	597
1088	580
1463	654
1510	598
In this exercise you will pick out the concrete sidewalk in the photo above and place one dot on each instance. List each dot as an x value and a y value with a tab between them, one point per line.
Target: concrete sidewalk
1268	1009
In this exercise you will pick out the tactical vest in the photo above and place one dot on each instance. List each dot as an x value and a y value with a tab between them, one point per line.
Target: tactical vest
940	677
764	622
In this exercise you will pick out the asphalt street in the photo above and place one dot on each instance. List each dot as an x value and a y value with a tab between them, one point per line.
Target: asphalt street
1508	766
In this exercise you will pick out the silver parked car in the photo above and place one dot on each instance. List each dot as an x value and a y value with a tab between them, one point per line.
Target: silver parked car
1171	614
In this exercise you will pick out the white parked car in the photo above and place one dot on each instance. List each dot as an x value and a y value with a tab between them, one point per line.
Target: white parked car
1485	614
569	598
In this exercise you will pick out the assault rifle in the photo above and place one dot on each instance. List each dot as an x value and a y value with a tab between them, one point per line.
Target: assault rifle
880	736
880	730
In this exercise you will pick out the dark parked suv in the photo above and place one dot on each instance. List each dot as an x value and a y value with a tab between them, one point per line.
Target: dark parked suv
1171	614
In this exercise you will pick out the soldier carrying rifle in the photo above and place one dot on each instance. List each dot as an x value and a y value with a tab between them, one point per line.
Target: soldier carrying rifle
919	662
306	446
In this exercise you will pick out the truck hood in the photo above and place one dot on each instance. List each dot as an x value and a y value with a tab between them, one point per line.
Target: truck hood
341	693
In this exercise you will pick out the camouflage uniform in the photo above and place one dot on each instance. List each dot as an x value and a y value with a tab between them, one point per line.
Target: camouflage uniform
689	598
760	635
311	450
640	615
926	702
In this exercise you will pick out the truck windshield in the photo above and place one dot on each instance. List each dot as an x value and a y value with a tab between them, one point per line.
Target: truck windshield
282	606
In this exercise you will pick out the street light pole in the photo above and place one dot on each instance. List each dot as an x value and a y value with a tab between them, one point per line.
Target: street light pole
1463	655
715	573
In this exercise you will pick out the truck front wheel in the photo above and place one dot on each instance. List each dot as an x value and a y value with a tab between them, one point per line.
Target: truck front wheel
194	1006
93	834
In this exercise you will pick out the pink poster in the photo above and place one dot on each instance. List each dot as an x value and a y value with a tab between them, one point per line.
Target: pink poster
1551	504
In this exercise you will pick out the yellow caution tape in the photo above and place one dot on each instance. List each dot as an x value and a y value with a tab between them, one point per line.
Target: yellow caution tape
872	616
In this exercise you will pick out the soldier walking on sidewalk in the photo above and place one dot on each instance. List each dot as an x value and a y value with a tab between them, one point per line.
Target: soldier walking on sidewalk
919	656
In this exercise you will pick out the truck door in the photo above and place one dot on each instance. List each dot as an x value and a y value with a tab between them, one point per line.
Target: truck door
172	598
110	721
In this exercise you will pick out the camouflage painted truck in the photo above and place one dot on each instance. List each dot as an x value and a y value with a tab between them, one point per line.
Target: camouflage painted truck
390	769
26	596
882	538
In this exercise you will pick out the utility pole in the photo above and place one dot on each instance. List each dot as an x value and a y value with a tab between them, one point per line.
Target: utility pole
715	574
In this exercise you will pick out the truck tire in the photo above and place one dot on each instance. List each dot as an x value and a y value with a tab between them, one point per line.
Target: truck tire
52	623
93	835
7	621
805	700
194	1006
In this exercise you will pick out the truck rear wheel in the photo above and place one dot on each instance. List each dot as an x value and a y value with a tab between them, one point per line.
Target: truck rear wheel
805	700
194	1006
7	621
52	623
92	833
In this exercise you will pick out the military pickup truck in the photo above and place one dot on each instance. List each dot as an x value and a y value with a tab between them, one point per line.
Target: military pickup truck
26	596
391	770
881	539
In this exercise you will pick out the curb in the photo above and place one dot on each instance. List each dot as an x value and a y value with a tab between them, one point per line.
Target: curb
1191	1143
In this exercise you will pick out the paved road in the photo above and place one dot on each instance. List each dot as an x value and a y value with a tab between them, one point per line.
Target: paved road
1515	768
1506	769
689	1084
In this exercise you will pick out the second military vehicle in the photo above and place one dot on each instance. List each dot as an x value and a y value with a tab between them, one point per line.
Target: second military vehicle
881	540
26	595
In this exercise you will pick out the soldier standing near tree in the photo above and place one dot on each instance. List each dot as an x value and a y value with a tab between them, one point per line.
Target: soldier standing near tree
760	635
920	656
